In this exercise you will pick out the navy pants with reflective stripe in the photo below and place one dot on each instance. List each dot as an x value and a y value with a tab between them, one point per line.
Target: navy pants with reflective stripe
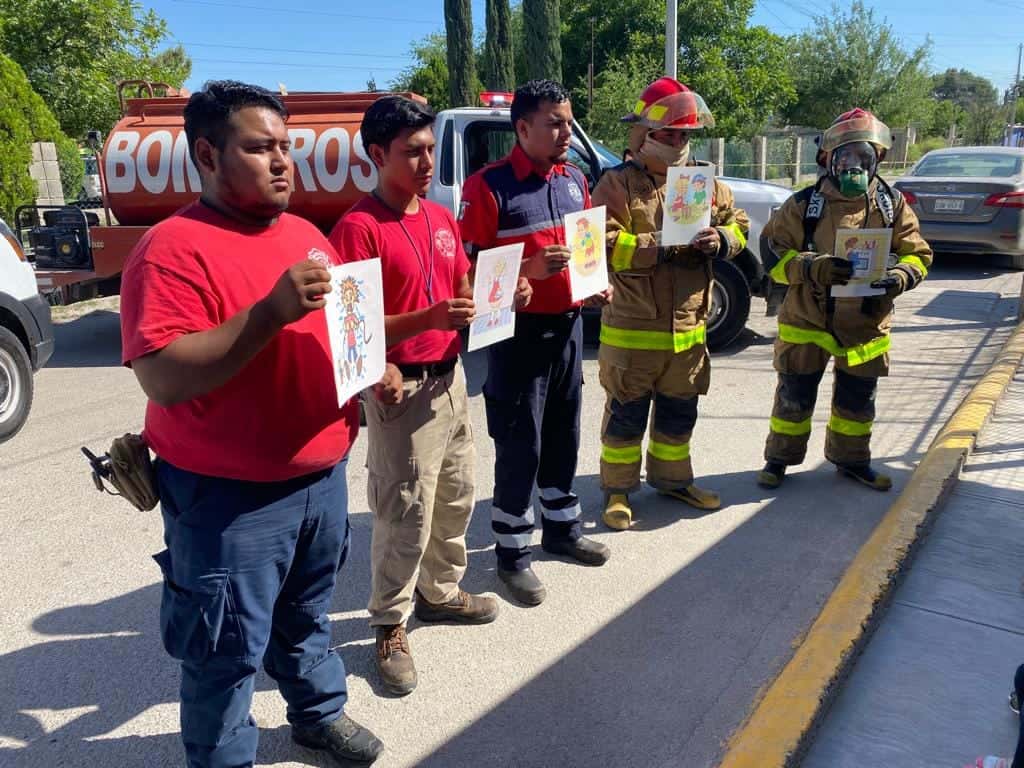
533	394
249	572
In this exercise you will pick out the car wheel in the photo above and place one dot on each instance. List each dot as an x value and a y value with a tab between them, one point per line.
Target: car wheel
15	384
730	305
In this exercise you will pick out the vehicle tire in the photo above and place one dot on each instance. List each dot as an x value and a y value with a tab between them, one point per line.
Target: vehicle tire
730	305
16	385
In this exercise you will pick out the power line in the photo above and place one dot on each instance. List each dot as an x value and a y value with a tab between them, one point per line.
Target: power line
304	12
300	65
295	50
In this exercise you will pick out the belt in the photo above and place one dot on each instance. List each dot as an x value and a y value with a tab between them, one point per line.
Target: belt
427	370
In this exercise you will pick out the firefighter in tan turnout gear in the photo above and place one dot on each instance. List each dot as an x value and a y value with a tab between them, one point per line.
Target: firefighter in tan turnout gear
653	334
814	325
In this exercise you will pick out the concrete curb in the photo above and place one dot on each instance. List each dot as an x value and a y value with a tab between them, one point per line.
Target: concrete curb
777	732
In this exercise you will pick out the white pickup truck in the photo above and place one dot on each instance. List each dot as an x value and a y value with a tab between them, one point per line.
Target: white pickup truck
26	334
470	137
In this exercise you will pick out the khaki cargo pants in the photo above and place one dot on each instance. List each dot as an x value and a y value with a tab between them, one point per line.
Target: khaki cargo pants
421	466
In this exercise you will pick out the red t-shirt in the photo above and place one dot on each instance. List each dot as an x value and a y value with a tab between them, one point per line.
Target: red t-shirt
531	211
414	250
279	417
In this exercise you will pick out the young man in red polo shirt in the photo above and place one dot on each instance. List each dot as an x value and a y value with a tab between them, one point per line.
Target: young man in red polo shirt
421	458
534	380
220	322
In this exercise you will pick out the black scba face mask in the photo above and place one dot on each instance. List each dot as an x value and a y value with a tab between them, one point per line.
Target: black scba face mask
853	166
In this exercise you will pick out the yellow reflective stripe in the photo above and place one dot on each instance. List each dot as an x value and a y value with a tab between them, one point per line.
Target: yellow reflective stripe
737	232
639	108
778	272
628	455
858	355
849	427
622	253
795	428
662	341
657	112
666	452
915	262
864	353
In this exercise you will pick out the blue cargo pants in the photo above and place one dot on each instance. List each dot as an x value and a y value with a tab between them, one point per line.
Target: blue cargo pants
249	572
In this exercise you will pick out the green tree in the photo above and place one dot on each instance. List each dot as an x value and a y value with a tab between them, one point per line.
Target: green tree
741	71
616	88
75	52
541	39
458	24
25	118
499	51
851	59
428	76
984	124
963	88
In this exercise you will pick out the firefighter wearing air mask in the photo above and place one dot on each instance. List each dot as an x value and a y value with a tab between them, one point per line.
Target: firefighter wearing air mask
814	325
653	347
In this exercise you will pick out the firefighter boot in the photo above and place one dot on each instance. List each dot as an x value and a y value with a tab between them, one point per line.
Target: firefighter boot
864	474
695	496
772	475
617	513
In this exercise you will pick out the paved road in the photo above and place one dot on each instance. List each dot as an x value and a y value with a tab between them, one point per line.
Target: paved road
649	661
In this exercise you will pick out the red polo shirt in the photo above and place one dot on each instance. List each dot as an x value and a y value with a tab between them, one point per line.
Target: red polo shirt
511	202
278	418
422	262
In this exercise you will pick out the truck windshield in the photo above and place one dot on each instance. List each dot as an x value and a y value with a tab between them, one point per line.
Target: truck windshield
489	141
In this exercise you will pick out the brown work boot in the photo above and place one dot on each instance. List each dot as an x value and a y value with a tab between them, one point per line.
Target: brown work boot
695	496
394	660
464	608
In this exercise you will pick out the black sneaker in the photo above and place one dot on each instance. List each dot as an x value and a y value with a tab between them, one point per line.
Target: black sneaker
524	586
344	740
583	550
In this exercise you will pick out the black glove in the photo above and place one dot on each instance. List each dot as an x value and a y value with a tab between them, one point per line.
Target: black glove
830	270
894	282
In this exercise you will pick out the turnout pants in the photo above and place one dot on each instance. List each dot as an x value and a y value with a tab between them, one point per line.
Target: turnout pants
249	572
634	380
421	482
848	438
533	394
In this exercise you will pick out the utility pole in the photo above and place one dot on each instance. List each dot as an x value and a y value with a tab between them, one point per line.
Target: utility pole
671	39
1016	86
590	79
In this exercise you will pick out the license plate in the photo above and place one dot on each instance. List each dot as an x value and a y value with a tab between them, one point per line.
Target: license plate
949	204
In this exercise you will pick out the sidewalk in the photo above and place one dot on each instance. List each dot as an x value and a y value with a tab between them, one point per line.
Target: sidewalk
931	687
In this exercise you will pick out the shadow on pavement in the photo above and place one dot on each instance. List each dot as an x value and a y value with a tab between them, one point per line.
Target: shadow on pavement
90	341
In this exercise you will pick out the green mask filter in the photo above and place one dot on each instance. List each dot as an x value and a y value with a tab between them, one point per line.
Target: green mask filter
853	183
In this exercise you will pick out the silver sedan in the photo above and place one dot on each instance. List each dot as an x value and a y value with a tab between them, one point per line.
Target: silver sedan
970	200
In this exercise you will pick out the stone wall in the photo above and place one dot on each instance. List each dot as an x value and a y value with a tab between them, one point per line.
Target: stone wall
46	173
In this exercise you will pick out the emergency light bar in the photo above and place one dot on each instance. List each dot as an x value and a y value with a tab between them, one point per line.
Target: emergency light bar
495	99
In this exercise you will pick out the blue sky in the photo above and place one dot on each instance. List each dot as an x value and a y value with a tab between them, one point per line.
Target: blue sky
312	45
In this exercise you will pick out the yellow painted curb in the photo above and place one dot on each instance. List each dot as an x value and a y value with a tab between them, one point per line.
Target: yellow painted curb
777	731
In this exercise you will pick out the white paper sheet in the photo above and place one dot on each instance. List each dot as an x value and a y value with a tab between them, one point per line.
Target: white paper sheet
868	249
588	266
355	322
494	289
688	193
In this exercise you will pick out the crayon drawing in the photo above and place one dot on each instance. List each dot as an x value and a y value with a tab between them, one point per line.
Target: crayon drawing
355	322
687	203
868	250
588	267
494	290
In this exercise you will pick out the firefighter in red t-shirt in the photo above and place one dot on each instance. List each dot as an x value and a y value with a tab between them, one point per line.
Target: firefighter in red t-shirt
221	323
